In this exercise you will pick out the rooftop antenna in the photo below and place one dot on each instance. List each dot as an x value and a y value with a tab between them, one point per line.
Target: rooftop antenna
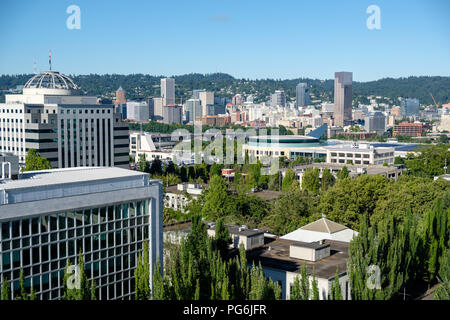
50	59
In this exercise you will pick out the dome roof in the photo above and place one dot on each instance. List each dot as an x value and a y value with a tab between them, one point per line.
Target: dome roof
51	80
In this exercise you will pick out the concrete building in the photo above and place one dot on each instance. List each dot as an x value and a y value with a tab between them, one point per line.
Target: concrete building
445	120
206	98
120	96
138	111
196	93
10	165
158	108
282	260
68	129
48	217
151	146
237	100
302	95
355	170
361	153
278	99
193	109
151	108
407	129
168	91
320	230
250	238
343	93
409	107
172	114
375	122
175	197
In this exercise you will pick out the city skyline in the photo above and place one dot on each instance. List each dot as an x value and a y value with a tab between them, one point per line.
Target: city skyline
333	37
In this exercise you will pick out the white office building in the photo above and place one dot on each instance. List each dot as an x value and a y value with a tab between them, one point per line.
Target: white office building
168	91
48	217
68	129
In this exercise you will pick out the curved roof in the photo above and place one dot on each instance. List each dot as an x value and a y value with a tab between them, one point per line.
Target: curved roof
51	80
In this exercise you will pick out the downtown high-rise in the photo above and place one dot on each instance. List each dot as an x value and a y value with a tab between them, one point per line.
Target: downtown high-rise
168	91
302	95
343	98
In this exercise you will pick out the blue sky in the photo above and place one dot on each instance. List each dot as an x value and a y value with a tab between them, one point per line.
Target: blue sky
245	38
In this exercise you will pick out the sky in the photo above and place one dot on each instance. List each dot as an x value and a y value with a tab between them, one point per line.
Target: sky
245	38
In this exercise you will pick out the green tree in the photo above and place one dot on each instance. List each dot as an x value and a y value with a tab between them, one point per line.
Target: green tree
215	199
315	286
443	291
311	181
336	291
295	289
327	179
304	284
143	164
23	291
289	180
343	173
33	161
222	238
6	290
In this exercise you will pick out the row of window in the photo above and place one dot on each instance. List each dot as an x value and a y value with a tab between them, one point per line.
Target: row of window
351	155
74	111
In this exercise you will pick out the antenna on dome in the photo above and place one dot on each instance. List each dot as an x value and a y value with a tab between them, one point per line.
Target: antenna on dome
34	66
50	59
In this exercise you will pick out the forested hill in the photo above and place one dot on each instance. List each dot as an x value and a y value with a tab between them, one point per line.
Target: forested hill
140	86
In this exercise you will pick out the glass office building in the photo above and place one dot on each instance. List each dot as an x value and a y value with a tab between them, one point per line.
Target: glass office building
49	217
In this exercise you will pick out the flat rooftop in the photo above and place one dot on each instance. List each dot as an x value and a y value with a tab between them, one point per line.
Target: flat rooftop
277	257
67	175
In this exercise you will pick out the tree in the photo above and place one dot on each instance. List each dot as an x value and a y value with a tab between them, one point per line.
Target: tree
343	173
142	275
443	291
327	179
156	167
311	181
81	291
295	289
304	284
143	164
289	180
6	290
222	238
215	199
23	292
33	161
430	162
336	291
315	287
216	169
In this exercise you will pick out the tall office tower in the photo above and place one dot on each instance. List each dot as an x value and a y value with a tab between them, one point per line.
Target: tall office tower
237	100
168	91
302	95
48	217
172	114
151	107
158	108
206	98
120	96
193	109
138	111
196	93
409	107
342	98
375	122
278	99
68	129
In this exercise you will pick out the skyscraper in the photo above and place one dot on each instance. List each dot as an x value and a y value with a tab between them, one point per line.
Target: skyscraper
375	122
172	114
206	98
168	91
278	99
193	109
302	95
409	107
342	97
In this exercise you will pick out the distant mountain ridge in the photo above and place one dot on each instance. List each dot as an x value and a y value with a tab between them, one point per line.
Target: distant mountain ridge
140	86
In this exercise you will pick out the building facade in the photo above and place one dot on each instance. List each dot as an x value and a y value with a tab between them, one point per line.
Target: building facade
302	95
343	93
68	129
375	122
172	114
49	217
168	91
409	107
278	99
407	129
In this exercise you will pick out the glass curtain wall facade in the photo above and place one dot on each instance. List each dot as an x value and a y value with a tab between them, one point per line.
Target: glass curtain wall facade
109	237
